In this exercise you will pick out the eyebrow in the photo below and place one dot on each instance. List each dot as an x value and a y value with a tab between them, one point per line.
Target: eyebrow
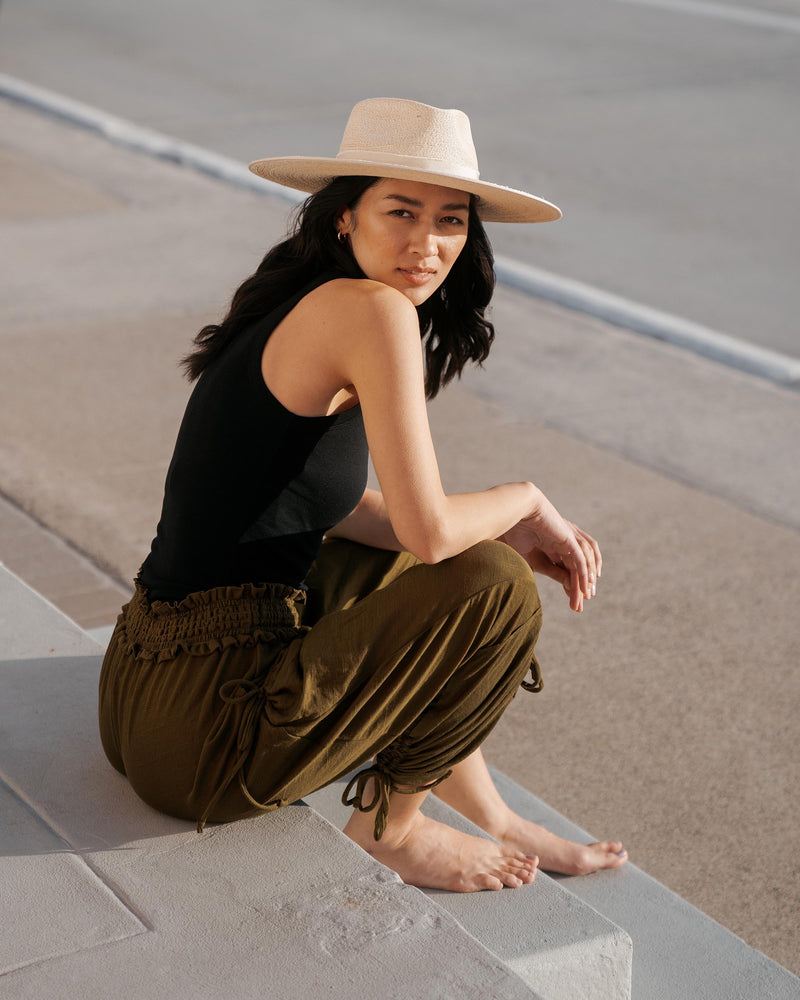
415	203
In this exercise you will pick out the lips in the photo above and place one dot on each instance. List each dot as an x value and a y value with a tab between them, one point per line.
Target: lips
417	275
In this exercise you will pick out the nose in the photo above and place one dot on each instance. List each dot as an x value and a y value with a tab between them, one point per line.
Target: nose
424	242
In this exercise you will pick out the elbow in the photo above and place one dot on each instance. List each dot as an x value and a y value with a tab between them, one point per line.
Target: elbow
430	555
429	543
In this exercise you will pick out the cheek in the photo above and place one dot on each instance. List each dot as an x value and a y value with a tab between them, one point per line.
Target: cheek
373	245
373	256
453	248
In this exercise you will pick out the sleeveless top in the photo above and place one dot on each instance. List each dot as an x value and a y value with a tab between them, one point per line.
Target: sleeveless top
252	487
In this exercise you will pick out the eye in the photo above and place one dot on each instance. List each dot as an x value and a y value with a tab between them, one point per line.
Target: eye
401	213
453	220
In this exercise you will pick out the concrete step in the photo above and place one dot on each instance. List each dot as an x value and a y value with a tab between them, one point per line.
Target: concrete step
679	952
101	896
566	950
33	628
559	945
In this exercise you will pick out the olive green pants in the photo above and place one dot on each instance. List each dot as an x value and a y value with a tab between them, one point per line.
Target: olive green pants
242	699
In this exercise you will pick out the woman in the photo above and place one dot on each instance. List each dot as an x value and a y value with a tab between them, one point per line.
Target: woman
254	663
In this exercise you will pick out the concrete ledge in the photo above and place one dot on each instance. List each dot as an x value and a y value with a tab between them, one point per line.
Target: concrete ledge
564	950
31	627
679	952
579	953
98	888
560	946
55	902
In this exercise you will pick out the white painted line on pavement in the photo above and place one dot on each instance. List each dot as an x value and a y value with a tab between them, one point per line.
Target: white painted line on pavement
724	12
141	139
613	309
619	311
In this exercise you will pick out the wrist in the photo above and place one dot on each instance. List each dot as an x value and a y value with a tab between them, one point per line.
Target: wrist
534	500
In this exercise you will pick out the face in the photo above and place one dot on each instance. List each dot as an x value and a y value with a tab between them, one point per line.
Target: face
407	234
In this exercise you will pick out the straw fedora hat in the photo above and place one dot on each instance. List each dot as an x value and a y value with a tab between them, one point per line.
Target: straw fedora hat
390	137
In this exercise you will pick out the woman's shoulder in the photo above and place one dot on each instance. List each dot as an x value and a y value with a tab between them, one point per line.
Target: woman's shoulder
349	299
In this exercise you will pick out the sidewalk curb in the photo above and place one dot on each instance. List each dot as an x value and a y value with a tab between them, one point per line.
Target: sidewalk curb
140	139
616	310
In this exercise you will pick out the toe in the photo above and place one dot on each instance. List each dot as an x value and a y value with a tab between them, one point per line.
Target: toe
516	872
489	882
609	853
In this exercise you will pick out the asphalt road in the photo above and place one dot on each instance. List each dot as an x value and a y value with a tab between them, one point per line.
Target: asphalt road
667	130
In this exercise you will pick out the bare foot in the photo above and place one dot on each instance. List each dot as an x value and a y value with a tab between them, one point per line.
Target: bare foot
431	855
471	791
555	853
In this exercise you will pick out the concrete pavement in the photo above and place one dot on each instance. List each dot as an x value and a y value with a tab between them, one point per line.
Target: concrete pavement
669	711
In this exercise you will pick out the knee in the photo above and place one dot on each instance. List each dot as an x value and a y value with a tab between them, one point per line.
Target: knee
493	564
495	561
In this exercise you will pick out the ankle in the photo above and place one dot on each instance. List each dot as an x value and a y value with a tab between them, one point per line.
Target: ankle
361	828
495	818
498	823
400	828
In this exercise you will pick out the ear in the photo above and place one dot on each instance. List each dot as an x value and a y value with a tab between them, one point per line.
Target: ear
344	221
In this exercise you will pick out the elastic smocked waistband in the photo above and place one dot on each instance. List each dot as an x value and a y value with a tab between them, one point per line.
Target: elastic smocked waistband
211	619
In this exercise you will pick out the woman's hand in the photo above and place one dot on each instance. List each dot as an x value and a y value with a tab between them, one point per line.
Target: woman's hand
559	549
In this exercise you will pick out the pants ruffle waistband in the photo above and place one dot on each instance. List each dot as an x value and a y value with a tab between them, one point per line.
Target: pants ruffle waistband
209	620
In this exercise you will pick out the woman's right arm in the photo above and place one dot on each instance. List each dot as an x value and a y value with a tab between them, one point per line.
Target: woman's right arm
378	351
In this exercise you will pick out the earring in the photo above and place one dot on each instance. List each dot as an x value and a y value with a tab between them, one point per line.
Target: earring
341	237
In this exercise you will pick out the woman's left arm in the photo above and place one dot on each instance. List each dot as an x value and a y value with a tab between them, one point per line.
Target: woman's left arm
369	524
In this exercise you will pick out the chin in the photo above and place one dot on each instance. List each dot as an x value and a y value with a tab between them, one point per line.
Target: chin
419	295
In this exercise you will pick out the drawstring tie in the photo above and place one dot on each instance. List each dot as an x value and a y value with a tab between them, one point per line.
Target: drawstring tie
252	696
537	683
384	786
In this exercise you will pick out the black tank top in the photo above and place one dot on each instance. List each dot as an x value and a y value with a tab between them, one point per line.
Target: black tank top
252	487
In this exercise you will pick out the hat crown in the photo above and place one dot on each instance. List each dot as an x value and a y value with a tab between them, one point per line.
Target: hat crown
389	137
392	130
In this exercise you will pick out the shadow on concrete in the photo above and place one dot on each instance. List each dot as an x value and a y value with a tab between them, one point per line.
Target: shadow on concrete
54	776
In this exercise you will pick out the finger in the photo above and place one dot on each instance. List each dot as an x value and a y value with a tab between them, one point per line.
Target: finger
592	542
591	566
575	592
557	573
591	551
596	553
563	576
578	560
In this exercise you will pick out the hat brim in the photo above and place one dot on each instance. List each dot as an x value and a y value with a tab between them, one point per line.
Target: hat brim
495	202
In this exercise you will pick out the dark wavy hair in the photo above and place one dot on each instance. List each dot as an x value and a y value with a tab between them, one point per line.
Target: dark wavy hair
453	326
